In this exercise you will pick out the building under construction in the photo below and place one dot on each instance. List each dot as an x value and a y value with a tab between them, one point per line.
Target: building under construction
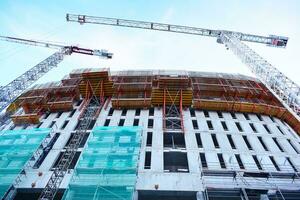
146	135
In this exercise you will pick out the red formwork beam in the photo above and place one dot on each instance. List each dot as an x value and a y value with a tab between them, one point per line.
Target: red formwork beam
181	115
164	109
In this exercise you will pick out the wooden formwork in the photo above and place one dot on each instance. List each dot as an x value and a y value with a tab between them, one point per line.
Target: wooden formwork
29	118
131	103
39	100
171	97
132	92
172	90
96	83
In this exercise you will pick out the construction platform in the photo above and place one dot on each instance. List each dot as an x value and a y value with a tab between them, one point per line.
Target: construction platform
145	89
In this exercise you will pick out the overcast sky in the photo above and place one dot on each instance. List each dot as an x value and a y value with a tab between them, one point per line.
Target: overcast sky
145	49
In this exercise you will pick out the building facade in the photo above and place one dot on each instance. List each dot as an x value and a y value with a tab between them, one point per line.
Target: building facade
164	135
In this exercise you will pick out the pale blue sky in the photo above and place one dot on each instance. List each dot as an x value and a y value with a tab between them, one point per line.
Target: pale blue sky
142	49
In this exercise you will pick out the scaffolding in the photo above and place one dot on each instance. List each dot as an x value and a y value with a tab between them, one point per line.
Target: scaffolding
232	94
248	181
50	97
16	149
132	90
107	168
171	90
173	93
64	162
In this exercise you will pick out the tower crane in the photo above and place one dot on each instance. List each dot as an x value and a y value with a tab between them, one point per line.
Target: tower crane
12	90
286	90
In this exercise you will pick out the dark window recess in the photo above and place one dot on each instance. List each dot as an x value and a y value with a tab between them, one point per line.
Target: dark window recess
79	102
240	162
72	113
292	165
147	160
149	139
293	146
151	111
64	125
72	164
220	115
267	128
257	162
12	127
262	143
203	160
215	141
192	112
59	114
246	116
238	125
272	118
150	123
138	112
247	142
52	124
206	114
38	126
175	162
121	122
259	117
199	141
221	161
278	145
91	125
124	112
106	123
195	124
135	122
45	152
233	115
174	140
83	141
47	115
210	126
274	163
111	111
281	131
231	142
253	127
224	125
25	126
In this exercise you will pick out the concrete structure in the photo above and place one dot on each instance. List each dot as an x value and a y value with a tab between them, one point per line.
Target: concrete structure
217	155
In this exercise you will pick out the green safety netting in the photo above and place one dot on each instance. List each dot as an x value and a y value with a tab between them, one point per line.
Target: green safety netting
16	148
107	168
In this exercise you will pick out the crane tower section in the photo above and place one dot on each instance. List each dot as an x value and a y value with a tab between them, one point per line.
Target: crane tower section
12	90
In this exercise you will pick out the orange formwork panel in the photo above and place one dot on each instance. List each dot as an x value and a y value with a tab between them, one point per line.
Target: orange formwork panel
172	97
131	103
30	118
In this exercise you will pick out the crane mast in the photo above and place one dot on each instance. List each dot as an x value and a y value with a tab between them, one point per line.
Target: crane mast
287	91
12	90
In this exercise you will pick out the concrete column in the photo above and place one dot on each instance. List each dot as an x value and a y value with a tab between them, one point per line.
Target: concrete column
135	195
200	195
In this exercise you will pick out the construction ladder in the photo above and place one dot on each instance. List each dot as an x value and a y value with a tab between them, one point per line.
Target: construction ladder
56	178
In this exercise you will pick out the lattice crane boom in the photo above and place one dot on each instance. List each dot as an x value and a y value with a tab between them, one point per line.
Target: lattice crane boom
284	88
12	90
68	49
272	40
